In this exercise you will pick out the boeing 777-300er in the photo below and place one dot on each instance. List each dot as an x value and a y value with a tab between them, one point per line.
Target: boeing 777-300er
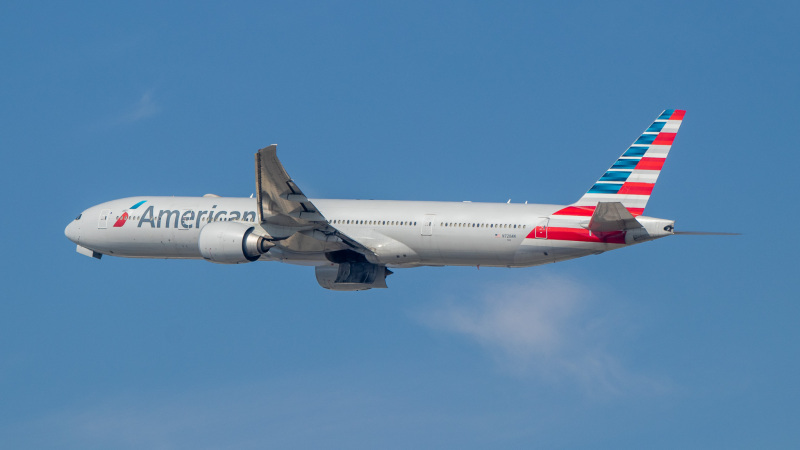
353	243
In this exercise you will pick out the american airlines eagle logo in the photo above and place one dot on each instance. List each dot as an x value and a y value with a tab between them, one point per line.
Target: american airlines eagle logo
124	217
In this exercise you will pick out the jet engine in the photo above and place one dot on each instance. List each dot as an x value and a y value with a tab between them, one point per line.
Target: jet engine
352	276
231	243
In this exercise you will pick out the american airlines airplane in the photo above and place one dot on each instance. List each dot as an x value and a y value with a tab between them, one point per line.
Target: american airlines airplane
353	243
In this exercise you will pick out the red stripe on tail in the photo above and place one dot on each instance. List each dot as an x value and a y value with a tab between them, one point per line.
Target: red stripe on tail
636	188
575	211
664	139
587	211
678	114
650	164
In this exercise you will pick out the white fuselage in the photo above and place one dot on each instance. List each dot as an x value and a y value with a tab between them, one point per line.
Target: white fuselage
400	233
353	243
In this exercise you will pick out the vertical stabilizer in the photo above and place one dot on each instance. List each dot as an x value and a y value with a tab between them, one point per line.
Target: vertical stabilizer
631	179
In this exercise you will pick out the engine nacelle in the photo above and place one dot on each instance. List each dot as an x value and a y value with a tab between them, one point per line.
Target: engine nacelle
352	276
231	243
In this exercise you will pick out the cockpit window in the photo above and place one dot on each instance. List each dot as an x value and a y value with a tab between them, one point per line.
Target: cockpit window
79	216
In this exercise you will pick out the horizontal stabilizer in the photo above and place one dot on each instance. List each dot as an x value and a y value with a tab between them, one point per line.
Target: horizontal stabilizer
612	216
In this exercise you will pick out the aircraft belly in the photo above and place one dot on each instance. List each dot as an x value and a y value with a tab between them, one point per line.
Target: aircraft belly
473	250
534	252
154	243
544	251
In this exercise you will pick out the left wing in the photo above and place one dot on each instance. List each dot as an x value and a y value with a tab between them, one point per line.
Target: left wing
288	215
280	201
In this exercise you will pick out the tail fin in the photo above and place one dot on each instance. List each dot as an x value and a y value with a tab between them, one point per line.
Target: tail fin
631	179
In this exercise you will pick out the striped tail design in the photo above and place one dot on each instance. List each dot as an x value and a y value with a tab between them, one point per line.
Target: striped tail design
631	179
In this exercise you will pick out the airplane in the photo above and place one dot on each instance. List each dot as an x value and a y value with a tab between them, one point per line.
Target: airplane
353	244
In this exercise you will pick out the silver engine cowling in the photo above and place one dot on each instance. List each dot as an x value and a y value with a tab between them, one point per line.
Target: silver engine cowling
352	276
231	243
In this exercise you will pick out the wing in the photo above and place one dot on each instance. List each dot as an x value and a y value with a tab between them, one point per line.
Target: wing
280	201
287	214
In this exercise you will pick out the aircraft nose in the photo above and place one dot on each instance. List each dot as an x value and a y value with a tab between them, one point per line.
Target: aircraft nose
73	231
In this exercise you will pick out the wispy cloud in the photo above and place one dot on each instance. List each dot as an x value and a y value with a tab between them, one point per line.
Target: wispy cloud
145	107
549	327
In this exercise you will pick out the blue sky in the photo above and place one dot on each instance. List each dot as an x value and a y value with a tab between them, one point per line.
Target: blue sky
687	342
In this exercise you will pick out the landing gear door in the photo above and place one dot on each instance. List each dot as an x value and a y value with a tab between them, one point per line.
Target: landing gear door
540	232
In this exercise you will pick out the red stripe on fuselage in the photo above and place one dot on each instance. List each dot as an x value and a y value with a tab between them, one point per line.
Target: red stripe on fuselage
584	235
121	221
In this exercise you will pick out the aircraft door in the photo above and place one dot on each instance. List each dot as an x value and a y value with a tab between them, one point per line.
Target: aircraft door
102	222
427	225
540	232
